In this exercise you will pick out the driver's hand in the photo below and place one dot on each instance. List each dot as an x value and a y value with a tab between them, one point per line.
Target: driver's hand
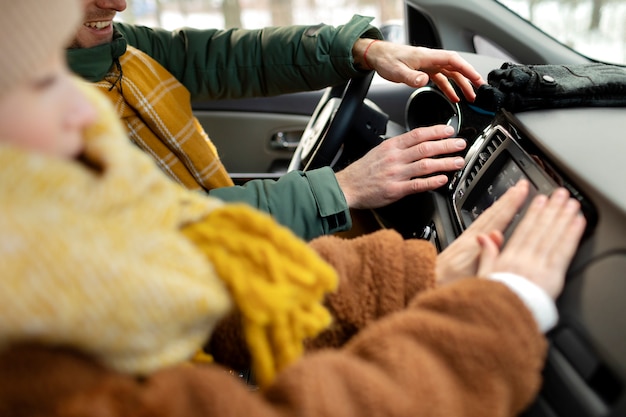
401	166
461	258
542	245
413	66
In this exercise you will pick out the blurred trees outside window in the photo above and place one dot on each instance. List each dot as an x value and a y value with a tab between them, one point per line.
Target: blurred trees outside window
171	14
595	28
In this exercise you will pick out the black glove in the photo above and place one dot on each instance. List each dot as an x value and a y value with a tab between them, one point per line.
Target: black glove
527	87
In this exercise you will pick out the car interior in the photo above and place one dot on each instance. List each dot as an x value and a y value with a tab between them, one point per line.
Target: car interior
580	148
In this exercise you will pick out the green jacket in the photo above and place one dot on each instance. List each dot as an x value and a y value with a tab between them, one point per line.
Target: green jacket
238	63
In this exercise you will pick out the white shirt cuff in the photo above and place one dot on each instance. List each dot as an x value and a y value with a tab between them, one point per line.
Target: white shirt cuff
534	297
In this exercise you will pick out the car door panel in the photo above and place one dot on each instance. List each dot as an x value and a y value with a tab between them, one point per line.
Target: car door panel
259	135
253	142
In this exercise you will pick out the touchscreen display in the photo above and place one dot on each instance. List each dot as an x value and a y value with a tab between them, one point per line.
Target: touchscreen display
487	192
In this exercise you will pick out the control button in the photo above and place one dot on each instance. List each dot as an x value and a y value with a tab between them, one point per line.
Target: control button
548	79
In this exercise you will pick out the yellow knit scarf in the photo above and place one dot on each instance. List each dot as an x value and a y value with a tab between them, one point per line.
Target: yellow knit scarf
156	110
94	258
276	280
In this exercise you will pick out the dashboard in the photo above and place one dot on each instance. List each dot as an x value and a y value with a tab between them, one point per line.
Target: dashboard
582	149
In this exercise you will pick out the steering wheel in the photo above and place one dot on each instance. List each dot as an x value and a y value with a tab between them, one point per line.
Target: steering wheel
325	133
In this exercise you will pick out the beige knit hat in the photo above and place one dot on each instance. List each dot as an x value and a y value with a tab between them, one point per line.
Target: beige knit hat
30	30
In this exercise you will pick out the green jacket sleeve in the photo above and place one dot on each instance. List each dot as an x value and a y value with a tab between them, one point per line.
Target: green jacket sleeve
310	203
235	63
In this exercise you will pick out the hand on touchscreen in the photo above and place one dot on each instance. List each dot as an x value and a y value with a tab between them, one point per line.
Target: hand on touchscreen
541	246
460	259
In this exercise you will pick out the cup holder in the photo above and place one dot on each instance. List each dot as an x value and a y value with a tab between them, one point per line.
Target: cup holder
428	106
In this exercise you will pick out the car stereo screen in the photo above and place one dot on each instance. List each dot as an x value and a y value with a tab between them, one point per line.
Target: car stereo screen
490	188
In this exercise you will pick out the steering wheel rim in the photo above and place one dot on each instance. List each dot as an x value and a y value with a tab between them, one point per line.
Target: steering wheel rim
331	120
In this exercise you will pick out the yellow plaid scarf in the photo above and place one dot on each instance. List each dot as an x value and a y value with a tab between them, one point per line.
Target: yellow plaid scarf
113	261
94	258
156	109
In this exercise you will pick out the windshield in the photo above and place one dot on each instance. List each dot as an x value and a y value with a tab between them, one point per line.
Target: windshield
594	28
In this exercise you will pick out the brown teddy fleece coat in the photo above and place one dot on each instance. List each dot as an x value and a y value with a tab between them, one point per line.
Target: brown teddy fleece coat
467	349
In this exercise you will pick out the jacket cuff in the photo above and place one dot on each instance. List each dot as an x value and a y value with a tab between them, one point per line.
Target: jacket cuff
347	35
534	297
331	203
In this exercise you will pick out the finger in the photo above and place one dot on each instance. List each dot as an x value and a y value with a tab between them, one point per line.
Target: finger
497	237
501	213
550	220
399	72
548	235
460	68
411	77
533	225
566	211
423	134
450	63
433	148
570	239
444	85
488	254
473	78
450	60
465	85
560	256
419	185
427	166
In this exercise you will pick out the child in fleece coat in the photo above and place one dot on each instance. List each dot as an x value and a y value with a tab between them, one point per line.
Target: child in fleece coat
114	278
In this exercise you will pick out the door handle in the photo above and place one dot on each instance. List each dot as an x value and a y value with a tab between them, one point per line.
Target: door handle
286	140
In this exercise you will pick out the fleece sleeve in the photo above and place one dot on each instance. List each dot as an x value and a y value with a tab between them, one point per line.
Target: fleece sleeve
379	273
468	349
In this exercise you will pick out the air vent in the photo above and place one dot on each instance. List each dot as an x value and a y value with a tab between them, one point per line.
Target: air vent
489	148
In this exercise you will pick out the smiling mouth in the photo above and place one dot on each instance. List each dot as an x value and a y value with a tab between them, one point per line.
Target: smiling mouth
98	25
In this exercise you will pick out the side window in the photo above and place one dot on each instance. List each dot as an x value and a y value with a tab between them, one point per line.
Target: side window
484	46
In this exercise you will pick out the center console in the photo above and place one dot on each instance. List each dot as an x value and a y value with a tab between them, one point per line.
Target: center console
497	159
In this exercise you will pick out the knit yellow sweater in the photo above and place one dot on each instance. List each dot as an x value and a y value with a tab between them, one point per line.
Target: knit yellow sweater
92	256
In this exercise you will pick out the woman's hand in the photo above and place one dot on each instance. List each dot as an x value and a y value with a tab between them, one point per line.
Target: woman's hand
414	66
460	259
542	245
